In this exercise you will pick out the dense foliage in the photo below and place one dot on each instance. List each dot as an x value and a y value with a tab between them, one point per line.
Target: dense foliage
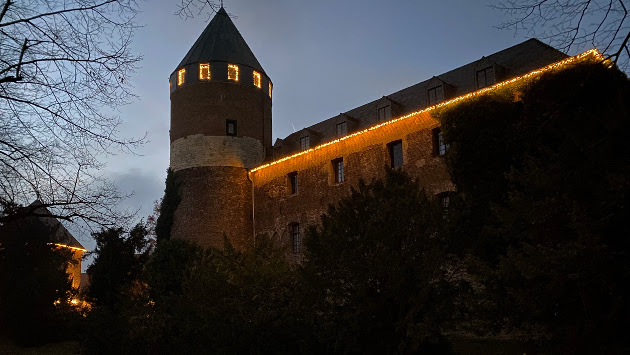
378	271
168	205
34	287
544	185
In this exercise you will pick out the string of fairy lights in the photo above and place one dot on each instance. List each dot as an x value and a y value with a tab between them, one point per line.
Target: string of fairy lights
593	52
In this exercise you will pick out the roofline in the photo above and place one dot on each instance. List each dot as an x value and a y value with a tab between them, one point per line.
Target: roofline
563	62
67	246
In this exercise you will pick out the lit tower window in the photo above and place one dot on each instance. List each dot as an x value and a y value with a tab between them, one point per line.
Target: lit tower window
233	72
270	87
181	75
257	79
204	71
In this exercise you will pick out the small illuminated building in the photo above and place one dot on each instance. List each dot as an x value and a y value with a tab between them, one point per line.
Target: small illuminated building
41	226
233	181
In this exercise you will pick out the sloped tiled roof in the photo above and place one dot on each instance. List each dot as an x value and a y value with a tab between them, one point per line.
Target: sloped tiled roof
221	42
44	228
514	61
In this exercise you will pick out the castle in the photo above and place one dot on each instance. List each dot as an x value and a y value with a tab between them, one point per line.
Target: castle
233	181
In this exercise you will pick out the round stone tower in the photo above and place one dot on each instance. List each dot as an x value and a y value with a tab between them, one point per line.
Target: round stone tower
220	127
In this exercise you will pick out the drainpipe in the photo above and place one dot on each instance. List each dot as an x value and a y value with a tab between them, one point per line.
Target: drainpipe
253	208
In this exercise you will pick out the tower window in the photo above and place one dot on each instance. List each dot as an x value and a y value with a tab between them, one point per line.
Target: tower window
204	71
257	79
233	72
293	181
342	129
436	95
230	127
395	154
181	75
296	238
305	142
439	144
485	77
270	88
338	168
384	113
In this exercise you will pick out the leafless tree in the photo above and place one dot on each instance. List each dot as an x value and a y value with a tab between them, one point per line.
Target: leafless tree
187	9
64	70
574	24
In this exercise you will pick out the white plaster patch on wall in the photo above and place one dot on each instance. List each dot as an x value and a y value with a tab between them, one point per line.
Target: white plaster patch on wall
199	150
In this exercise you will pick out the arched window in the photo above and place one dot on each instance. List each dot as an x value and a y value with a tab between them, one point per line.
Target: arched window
296	238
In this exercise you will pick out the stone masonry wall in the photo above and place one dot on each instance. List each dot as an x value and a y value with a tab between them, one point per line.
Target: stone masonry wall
199	150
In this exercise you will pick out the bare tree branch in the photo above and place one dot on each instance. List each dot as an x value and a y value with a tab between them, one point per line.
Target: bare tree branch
65	68
573	25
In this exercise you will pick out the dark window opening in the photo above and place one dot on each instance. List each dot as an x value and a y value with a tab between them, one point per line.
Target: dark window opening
305	142
296	238
293	180
230	127
485	77
395	154
439	144
445	201
384	113
342	129
436	95
339	170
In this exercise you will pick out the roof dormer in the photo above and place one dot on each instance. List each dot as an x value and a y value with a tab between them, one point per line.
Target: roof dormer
487	73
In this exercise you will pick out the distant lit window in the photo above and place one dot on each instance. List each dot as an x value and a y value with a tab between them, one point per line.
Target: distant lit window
233	72
338	168
230	127
436	95
384	113
257	79
485	77
270	89
296	238
204	71
440	145
293	181
305	142
395	154
342	129
181	76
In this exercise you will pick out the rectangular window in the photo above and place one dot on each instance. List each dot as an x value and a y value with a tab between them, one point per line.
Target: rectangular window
270	88
436	95
395	154
342	129
338	168
181	76
230	127
439	144
296	238
384	113
233	72
257	79
204	71
485	77
305	142
293	181
445	201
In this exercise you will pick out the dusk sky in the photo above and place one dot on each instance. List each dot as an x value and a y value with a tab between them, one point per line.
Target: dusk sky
324	58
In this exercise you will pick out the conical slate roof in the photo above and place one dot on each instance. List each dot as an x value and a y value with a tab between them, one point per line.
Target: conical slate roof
221	42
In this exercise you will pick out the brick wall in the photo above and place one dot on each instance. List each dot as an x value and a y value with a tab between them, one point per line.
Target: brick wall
364	155
215	200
